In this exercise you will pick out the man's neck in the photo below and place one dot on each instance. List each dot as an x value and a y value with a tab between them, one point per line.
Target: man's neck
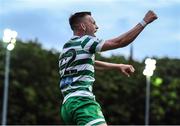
77	33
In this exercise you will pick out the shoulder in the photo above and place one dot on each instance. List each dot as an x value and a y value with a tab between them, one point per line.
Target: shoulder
92	38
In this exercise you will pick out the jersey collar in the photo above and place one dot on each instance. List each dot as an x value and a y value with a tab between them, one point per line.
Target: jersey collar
75	37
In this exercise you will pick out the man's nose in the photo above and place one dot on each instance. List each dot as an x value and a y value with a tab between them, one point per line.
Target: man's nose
97	27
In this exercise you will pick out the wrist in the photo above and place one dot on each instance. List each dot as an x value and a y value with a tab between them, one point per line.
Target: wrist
143	23
113	66
117	66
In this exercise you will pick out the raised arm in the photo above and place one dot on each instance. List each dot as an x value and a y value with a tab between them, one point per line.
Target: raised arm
130	36
123	68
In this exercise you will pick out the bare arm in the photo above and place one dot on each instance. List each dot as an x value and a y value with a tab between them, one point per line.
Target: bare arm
130	36
100	65
123	68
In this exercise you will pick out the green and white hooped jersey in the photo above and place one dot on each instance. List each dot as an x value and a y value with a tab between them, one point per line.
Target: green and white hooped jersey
76	64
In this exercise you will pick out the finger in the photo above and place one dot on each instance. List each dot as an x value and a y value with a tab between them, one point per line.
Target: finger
155	16
132	69
129	71
126	73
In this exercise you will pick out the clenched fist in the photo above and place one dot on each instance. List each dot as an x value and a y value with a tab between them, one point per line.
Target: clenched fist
126	69
150	17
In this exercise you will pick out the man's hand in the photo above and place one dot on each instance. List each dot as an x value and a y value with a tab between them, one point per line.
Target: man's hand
150	17
126	69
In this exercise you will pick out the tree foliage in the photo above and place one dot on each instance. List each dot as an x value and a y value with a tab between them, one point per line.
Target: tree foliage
35	98
33	94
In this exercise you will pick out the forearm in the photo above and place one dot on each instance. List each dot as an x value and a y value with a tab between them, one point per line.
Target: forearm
123	68
100	65
127	37
124	39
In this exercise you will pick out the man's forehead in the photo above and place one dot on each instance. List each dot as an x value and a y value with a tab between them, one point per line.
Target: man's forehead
89	17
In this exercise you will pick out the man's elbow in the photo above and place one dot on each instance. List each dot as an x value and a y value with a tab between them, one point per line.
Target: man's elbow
111	44
119	44
125	42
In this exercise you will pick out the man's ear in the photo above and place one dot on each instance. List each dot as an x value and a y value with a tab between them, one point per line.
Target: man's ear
83	26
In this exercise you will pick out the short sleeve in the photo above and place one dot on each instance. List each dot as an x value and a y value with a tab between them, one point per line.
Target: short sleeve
91	44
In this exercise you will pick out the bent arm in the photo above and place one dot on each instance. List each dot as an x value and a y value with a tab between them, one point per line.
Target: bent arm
123	40
100	65
130	36
123	68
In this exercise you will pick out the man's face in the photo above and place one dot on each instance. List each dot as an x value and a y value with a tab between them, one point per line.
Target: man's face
90	25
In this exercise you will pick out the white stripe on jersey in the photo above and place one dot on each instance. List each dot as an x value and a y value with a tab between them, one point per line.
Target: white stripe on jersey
78	57
84	78
72	47
95	121
79	93
74	87
89	44
82	67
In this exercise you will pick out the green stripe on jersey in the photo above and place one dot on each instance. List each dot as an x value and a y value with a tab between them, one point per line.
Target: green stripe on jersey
93	47
82	61
78	52
81	52
78	62
79	83
82	73
70	44
85	42
76	89
83	83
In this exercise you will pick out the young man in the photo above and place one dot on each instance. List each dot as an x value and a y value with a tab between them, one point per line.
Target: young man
77	61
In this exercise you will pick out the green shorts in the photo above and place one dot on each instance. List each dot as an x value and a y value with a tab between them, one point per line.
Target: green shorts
82	111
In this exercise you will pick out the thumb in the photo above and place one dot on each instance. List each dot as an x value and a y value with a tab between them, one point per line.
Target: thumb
125	73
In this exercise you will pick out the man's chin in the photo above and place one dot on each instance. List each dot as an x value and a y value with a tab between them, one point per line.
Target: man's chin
93	35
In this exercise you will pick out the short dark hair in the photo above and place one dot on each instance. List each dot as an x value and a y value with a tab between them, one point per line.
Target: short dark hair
76	18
